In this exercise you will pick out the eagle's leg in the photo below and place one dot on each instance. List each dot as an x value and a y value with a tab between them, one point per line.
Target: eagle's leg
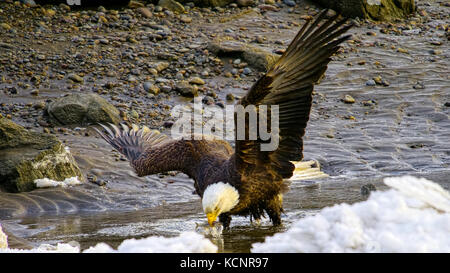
274	208
225	219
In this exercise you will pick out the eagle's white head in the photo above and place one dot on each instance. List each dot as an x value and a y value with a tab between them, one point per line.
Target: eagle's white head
218	198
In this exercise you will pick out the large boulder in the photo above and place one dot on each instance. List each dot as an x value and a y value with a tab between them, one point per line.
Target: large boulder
26	156
383	10
82	109
255	56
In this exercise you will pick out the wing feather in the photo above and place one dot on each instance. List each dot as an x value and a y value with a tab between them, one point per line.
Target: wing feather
289	84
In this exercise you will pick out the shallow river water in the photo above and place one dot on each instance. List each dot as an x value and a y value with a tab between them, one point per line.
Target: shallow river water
389	131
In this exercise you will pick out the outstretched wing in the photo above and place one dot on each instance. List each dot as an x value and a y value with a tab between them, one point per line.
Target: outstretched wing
148	151
289	84
132	142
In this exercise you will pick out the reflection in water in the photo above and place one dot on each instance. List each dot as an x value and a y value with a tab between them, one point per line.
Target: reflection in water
171	219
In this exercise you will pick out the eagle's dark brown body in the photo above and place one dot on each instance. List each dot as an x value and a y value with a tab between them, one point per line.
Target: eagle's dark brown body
257	175
212	161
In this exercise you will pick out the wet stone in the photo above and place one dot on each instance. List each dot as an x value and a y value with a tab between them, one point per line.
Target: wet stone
171	5
245	3
166	88
196	80
419	85
145	12
74	77
230	97
186	89
378	80
366	189
151	88
289	3
349	99
435	52
134	114
5	26
39	105
370	83
369	102
208	100
185	19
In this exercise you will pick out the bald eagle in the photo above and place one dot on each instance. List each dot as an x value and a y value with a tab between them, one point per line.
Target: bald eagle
245	180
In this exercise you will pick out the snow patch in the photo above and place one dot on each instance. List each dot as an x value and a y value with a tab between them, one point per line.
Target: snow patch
45	248
189	242
414	216
46	182
186	242
3	239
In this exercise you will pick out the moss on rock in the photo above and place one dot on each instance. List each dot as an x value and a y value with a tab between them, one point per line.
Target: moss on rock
26	156
382	10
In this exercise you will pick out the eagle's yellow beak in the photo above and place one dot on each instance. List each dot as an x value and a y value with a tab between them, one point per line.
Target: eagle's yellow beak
211	218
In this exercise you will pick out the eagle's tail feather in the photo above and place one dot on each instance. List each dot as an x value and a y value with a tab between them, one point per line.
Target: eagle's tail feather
130	141
306	170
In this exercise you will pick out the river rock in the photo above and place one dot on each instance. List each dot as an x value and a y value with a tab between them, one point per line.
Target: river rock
349	99
76	78
5	26
383	10
186	89
255	56
151	88
208	3
82	109
145	12
171	5
185	19
135	4
289	3
245	3
196	80
26	156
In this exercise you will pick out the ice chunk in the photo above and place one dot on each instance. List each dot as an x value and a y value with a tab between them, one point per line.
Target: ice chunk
411	217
